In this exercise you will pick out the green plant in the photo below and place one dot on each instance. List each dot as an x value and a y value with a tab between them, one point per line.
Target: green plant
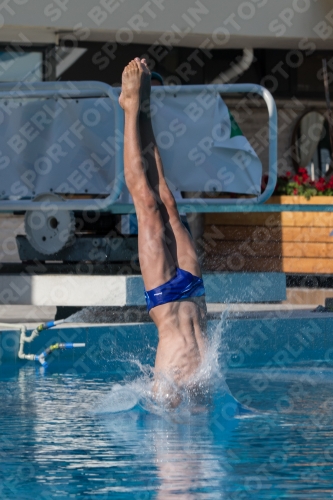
301	184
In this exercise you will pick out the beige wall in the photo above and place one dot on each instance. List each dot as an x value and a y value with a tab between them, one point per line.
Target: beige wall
219	23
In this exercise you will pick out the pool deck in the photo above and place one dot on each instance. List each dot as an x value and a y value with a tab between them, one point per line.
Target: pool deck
32	316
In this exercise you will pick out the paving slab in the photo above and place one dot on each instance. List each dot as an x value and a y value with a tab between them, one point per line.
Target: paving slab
34	315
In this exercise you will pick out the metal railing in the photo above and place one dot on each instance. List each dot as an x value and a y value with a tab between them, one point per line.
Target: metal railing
76	90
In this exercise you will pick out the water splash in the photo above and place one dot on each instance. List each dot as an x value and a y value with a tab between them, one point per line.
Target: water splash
210	391
119	399
107	314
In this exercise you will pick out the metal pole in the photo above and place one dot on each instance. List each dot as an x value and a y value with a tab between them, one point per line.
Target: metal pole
329	109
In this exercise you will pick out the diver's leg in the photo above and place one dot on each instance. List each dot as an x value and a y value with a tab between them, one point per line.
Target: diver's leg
157	265
178	239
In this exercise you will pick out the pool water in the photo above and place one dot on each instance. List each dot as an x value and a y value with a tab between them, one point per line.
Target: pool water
54	445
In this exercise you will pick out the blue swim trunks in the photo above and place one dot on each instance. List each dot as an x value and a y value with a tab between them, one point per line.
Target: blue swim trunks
182	286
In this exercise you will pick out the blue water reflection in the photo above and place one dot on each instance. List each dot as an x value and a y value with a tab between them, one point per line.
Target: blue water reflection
53	446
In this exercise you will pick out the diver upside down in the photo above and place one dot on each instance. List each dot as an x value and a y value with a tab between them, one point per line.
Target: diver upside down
174	289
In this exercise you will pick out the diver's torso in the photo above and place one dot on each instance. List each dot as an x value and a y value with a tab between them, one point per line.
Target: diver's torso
182	337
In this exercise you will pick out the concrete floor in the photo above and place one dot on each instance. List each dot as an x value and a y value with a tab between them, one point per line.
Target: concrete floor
26	314
34	315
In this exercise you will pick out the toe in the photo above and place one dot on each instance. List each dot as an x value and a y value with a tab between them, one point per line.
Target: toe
138	64
145	65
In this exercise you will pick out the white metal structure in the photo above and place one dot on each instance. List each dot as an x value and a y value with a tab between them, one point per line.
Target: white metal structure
98	89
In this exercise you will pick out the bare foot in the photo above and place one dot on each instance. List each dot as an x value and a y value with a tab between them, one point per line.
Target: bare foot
131	89
146	87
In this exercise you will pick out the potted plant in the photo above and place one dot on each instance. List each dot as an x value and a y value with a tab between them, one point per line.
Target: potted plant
291	242
301	185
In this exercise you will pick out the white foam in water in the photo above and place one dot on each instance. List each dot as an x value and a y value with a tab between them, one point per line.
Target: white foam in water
208	381
119	399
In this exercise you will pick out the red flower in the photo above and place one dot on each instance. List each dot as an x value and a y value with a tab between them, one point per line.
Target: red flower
301	183
302	175
320	184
